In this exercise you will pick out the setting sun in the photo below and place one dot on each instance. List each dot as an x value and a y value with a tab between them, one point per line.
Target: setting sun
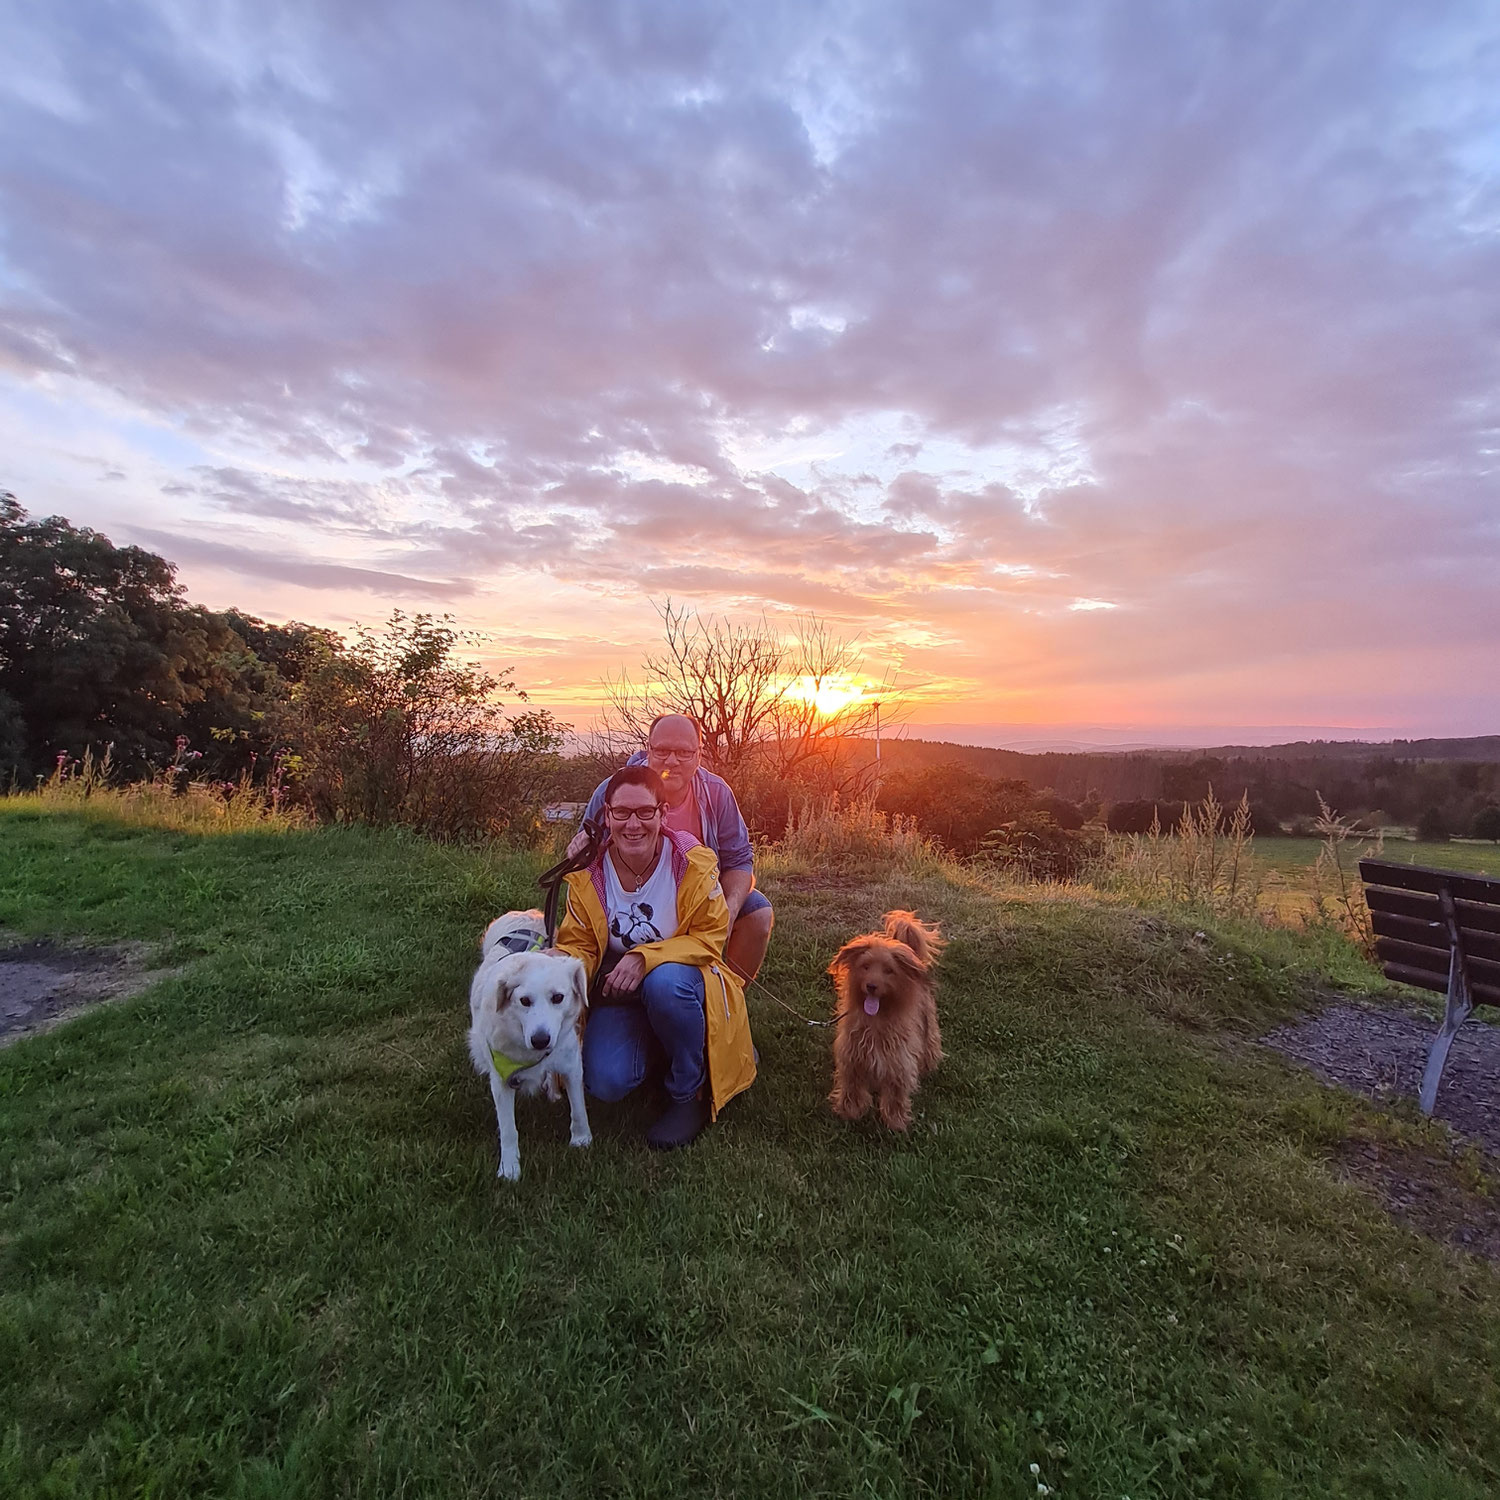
829	695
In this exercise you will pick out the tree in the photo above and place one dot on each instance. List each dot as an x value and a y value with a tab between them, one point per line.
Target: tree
953	804
397	729
763	701
1486	824
1432	827
98	646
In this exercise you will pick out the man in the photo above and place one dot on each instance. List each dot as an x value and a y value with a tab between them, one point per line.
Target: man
700	803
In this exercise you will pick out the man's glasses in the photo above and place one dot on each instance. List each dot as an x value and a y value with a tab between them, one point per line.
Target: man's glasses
656	754
642	815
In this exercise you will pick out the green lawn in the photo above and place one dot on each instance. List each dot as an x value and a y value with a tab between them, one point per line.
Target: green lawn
1293	857
251	1242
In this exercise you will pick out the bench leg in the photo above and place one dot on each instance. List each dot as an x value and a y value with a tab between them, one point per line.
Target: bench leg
1459	1008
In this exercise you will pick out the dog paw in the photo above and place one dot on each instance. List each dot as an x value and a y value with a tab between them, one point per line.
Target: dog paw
586	1139
510	1171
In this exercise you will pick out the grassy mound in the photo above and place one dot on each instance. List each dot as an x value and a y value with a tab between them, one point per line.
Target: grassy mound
251	1242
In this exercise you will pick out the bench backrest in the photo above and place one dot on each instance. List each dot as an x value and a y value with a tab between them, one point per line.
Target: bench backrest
1410	908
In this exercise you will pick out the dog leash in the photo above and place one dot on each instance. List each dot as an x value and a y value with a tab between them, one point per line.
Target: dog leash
806	1020
552	880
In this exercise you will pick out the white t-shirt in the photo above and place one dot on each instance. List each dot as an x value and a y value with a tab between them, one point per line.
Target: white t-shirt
643	916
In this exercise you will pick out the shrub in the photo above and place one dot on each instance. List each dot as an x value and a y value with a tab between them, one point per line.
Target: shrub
1034	846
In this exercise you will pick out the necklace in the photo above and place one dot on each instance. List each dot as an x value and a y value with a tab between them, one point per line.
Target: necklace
623	867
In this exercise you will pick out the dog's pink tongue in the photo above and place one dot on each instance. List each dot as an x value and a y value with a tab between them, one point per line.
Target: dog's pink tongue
872	1005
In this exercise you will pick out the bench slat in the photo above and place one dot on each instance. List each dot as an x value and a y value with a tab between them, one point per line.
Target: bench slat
1410	956
1427	878
1483	994
1410	930
1434	935
1404	904
1481	971
1475	918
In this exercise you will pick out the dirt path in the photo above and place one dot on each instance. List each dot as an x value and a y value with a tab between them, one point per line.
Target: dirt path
43	983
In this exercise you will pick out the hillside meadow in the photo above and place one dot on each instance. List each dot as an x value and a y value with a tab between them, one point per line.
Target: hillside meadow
251	1241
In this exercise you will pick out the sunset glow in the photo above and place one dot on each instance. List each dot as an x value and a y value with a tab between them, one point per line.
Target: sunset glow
830	696
1088	373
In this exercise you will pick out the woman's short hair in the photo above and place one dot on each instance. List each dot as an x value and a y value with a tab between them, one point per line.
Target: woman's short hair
633	776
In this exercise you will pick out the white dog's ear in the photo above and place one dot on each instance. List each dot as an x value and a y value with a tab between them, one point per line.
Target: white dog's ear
581	983
502	994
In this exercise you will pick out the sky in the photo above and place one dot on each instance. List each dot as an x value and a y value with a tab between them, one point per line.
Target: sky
1105	372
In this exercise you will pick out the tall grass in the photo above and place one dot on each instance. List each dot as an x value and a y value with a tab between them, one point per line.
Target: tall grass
171	799
1338	894
832	833
1206	862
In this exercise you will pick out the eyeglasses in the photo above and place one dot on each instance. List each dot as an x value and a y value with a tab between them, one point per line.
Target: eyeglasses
640	814
658	754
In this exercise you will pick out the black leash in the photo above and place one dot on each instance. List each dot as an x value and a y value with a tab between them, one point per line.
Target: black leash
552	880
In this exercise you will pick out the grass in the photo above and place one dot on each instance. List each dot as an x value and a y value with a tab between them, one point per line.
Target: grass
1292	858
251	1243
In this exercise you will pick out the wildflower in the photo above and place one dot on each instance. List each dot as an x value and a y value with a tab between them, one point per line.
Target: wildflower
1035	1470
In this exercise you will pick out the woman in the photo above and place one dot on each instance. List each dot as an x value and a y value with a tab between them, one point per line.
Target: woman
648	919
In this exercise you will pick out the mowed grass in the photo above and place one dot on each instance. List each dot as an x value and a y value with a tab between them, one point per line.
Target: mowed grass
251	1242
1294	858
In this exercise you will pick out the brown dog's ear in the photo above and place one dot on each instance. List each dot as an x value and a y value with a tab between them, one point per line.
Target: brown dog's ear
847	955
913	965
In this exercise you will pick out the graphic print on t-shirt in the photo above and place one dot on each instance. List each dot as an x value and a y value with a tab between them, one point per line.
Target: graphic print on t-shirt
634	925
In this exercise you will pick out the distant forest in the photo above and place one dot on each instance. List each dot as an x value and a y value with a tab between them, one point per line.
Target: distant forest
1447	782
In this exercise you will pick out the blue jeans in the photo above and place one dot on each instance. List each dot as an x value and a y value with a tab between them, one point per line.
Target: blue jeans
663	1020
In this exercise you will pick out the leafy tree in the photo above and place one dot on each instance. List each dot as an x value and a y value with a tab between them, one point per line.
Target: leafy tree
1486	825
98	646
1137	816
396	729
954	805
1432	827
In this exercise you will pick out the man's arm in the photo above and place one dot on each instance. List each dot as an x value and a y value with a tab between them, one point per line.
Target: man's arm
737	884
591	814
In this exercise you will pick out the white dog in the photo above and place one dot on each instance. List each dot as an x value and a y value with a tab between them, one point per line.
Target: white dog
526	1012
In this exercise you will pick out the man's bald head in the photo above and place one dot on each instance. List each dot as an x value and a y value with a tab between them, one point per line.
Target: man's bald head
677	728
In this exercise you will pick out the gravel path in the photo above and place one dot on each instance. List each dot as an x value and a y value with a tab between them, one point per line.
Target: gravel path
1380	1051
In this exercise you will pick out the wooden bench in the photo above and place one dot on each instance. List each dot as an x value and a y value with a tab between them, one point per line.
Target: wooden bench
1438	930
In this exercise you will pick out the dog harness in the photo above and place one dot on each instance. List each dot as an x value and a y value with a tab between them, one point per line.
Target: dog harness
509	1067
519	942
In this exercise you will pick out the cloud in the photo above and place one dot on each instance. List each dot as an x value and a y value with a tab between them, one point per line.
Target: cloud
250	562
951	319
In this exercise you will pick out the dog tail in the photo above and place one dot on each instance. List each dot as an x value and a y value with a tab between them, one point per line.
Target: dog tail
923	938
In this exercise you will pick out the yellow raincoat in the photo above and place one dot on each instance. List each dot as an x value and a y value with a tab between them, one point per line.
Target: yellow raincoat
702	926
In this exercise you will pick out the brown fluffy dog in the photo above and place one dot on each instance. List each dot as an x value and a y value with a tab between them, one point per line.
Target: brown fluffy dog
887	1038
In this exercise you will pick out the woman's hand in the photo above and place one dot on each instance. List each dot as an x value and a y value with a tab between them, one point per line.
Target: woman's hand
625	976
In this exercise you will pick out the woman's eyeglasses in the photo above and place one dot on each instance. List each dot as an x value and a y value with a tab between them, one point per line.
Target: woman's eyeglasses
640	814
